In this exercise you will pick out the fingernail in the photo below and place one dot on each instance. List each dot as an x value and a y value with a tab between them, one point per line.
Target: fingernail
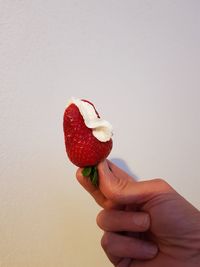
141	220
104	168
105	165
150	250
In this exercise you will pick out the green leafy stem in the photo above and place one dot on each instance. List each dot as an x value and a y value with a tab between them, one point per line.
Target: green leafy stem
92	173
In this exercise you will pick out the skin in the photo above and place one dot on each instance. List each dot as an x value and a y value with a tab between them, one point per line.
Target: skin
147	223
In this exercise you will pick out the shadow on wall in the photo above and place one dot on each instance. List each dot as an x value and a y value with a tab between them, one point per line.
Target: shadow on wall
124	166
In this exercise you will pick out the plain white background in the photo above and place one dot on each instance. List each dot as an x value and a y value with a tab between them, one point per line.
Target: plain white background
138	61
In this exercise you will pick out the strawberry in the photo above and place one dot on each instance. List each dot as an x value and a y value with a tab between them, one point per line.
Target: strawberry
82	147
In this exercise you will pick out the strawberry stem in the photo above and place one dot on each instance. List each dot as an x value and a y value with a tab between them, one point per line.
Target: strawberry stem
87	171
92	173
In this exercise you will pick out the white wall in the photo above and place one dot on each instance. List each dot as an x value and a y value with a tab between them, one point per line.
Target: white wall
139	62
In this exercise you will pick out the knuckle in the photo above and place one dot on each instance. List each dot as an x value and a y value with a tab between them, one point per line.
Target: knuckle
103	220
162	184
105	241
159	180
99	218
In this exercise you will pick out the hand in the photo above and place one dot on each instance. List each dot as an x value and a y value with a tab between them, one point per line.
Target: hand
138	213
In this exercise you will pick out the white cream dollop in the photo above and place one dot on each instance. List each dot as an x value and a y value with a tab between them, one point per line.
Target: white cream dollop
101	129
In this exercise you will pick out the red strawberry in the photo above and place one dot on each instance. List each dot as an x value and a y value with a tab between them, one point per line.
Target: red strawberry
83	148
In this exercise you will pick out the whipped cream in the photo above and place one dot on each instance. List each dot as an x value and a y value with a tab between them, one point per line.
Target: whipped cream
101	129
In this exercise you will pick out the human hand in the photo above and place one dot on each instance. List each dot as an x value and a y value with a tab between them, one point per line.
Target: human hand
151	208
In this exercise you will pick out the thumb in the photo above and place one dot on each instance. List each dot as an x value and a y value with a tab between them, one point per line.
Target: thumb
119	187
